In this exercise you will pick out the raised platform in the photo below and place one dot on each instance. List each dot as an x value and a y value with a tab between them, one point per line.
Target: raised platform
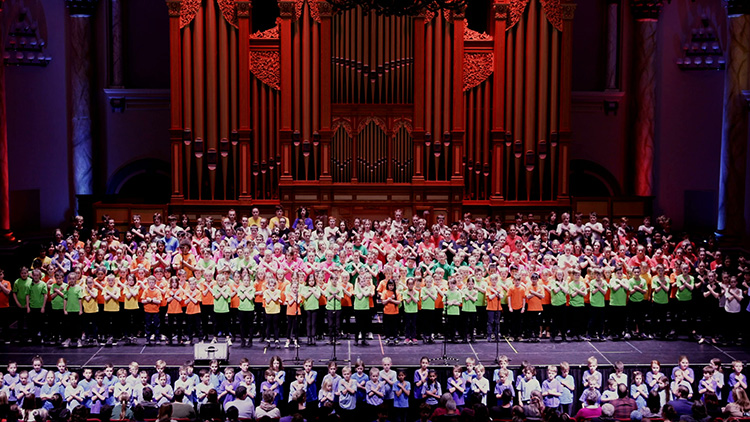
544	353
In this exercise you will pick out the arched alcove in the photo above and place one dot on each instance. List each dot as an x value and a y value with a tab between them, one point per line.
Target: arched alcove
147	180
589	179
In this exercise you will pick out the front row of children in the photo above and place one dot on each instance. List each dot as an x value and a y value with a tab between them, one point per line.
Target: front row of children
355	390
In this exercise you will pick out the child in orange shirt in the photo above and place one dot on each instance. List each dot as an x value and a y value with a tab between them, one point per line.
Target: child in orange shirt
193	300
151	299
516	306
534	297
174	311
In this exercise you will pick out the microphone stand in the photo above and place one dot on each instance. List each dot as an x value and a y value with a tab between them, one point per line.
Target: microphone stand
445	357
334	339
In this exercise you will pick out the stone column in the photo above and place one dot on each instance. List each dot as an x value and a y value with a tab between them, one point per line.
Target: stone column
734	133
80	89
5	233
613	51
646	13
116	79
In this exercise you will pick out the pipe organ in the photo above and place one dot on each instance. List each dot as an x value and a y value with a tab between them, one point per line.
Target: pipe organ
342	110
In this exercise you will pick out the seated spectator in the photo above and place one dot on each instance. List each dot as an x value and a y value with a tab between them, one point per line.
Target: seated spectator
712	404
732	410
211	409
624	404
147	409
243	403
607	414
505	407
28	407
440	409
296	405
698	414
740	397
534	410
59	411
180	409
451	413
669	414
653	408
681	404
165	413
122	410
591	408
267	408
233	415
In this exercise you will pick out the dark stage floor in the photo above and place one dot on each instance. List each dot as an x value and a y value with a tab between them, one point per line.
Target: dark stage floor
576	353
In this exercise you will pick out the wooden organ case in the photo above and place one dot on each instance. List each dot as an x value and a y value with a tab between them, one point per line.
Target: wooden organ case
358	114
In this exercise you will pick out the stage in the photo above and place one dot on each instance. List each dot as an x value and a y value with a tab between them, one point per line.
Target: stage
543	353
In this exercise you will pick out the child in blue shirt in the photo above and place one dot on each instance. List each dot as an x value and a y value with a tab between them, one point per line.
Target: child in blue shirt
529	384
431	391
639	390
502	362
361	378
310	380
271	384
87	383
228	387
503	383
592	379
10	379
49	388
551	388
480	385
401	391
457	386
334	378
375	389
568	384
